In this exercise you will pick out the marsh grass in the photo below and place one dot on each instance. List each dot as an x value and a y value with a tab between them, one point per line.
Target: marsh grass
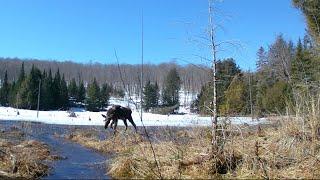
22	158
288	147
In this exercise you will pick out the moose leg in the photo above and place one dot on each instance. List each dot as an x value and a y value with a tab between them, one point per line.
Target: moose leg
133	124
125	123
115	126
107	124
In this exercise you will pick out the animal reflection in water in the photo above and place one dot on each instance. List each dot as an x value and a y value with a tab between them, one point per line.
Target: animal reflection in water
118	112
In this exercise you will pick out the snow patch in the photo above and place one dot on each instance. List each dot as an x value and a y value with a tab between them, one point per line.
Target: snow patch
94	118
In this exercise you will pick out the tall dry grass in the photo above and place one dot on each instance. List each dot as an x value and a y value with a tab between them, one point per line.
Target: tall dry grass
288	147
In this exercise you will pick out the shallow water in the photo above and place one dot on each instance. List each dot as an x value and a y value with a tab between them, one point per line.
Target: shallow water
80	162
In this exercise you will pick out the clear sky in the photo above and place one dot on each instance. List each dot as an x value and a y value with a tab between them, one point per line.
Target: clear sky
89	30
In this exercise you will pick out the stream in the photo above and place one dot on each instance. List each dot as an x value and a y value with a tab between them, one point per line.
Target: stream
78	162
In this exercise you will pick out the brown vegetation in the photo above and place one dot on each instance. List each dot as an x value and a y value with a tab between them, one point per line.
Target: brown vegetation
280	150
20	158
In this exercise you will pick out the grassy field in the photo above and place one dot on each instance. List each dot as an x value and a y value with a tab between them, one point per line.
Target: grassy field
281	149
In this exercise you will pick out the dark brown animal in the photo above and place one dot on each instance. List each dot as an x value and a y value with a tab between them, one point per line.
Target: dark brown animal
117	112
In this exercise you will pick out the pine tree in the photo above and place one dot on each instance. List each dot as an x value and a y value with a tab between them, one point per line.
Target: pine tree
56	90
262	61
170	93
43	104
81	96
64	100
311	10
302	65
93	98
235	102
33	87
47	93
277	97
105	94
73	89
22	96
150	95
21	74
4	91
227	69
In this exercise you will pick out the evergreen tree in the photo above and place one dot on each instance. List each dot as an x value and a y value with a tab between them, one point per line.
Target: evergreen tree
150	95
64	100
302	65
227	69
93	97
47	93
56	90
22	96
21	74
73	89
33	87
277	98
235	101
43	104
27	94
12	94
170	93
311	10
4	91
81	93
262	61
105	94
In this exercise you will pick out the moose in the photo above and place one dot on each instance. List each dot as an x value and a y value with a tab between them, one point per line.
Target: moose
117	112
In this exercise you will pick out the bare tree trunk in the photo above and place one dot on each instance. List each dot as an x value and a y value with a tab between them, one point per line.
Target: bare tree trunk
214	141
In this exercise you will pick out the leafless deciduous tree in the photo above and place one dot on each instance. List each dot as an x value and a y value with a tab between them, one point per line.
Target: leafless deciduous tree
192	77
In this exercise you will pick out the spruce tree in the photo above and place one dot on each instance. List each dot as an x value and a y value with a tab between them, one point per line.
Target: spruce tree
33	87
43	104
235	98
302	65
21	74
64	100
81	96
47	94
150	95
22	97
73	89
93	97
4	91
227	69
56	90
170	93
105	95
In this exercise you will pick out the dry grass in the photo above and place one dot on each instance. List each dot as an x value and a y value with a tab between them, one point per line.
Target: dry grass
22	158
277	151
287	148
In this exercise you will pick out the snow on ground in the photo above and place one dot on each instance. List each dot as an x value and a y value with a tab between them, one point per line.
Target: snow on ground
94	118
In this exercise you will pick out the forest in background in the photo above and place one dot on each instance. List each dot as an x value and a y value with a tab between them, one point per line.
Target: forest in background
192	76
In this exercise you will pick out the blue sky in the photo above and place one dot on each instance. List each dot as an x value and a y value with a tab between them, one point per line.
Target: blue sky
89	30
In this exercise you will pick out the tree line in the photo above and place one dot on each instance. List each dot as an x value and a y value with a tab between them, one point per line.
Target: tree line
284	71
52	91
193	76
